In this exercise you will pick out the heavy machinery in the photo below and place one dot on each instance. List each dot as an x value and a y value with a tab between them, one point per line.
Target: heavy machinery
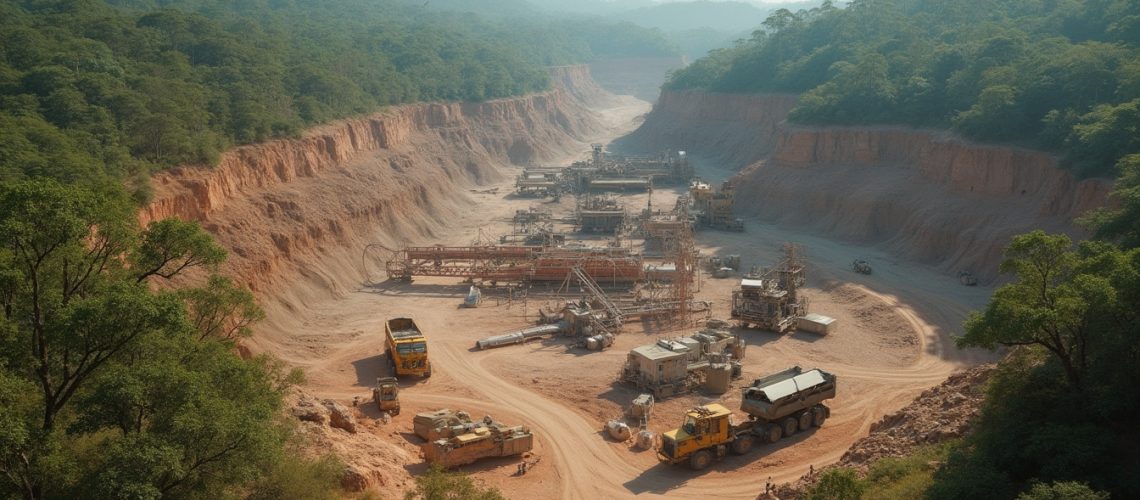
407	348
770	300
777	405
386	394
443	423
490	440
861	266
965	278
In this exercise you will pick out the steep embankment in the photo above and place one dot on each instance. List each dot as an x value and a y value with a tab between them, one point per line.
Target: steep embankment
295	214
923	194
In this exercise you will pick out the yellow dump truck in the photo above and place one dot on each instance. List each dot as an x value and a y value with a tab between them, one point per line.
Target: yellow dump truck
778	405
407	348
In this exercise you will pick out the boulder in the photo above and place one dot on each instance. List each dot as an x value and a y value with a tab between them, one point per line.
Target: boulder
340	416
308	410
355	479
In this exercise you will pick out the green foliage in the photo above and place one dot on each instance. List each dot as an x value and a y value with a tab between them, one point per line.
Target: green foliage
96	91
291	477
1046	305
1121	224
905	477
1106	134
439	484
110	386
1059	76
1068	490
221	309
171	246
837	484
1059	407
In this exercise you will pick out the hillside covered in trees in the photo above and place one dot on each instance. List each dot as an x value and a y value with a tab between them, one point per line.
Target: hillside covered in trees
1061	76
1058	417
96	91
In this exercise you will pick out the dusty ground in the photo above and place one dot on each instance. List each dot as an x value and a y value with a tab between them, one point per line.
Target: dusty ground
893	342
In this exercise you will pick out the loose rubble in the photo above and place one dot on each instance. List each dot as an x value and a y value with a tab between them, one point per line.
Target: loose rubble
941	413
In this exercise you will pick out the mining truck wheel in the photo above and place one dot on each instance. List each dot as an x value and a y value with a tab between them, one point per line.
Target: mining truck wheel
742	444
427	374
790	425
700	460
805	420
773	433
818	415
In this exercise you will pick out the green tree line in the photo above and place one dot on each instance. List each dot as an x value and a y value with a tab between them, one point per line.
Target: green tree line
100	91
1058	75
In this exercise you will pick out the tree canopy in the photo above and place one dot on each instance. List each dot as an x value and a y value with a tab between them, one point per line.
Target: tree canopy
96	91
1062	76
111	386
1056	422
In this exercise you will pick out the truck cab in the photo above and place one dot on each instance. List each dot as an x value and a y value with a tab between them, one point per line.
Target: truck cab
407	348
703	436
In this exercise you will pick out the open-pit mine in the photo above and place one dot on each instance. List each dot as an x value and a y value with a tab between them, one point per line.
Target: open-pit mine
561	254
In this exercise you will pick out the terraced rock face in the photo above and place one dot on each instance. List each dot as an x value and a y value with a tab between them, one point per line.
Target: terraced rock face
283	207
924	195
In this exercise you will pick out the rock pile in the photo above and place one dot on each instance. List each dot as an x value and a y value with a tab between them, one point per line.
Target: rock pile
941	413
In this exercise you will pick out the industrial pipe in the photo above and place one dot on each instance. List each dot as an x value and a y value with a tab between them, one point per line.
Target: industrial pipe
520	336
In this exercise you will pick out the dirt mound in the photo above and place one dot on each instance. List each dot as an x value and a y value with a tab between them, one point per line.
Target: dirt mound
371	461
939	414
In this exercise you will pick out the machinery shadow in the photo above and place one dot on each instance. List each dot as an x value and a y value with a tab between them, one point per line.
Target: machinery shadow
370	368
620	394
487	464
404	288
755	337
662	478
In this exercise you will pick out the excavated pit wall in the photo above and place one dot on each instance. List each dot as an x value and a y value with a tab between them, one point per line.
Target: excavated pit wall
296	214
926	195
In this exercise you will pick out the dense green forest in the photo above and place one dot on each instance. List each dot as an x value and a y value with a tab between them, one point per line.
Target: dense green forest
96	91
1059	75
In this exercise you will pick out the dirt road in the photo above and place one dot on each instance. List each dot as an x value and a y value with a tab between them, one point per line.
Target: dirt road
894	342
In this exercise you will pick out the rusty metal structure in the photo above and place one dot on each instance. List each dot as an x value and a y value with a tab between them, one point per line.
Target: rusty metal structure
604	214
603	171
715	208
515	264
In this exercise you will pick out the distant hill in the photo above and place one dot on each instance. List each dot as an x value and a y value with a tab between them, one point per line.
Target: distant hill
702	25
683	16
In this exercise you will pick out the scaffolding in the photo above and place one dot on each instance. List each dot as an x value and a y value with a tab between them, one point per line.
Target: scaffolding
514	264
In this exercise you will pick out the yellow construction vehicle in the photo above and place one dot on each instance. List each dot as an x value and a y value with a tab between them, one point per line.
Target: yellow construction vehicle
407	348
778	405
386	394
